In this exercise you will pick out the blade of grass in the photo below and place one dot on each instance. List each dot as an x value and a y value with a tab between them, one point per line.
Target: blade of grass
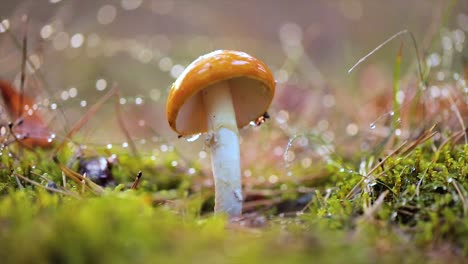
23	65
396	88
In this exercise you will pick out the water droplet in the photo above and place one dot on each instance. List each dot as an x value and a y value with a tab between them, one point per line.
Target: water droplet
372	126
193	138
450	180
106	14
370	182
101	84
109	146
238	195
163	148
125	145
4	25
138	101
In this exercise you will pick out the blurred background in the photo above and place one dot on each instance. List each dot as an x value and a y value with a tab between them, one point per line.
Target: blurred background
79	50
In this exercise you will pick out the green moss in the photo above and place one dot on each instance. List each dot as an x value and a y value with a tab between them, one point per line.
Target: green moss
424	208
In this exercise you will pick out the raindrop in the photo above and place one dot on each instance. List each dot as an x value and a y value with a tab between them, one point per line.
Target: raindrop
155	94
131	4
202	154
177	70
101	84
165	64
73	92
106	14
174	163
328	101
372	126
163	148
273	179
397	132
238	195
109	146
4	25
83	103
64	95
125	145
193	138
77	40
370	182
46	31
352	129
138	101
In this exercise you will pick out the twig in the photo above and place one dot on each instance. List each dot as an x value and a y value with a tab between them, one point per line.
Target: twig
23	64
45	187
137	181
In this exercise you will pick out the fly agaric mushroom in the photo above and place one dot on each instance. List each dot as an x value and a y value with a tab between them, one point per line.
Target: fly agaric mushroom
218	93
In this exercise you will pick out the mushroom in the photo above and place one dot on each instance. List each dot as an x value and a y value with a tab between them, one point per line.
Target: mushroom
216	94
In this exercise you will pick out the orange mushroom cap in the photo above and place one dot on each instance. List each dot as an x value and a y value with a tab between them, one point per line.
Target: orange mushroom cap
251	82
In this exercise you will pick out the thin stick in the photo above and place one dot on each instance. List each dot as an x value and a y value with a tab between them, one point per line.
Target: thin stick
45	187
460	194
23	65
137	181
459	116
64	180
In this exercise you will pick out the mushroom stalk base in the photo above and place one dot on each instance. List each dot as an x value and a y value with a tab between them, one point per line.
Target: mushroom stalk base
224	144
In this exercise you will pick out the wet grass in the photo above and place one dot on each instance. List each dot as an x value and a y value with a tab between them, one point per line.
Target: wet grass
409	207
403	198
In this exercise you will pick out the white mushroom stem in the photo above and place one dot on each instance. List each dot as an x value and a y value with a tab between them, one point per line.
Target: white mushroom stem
224	144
